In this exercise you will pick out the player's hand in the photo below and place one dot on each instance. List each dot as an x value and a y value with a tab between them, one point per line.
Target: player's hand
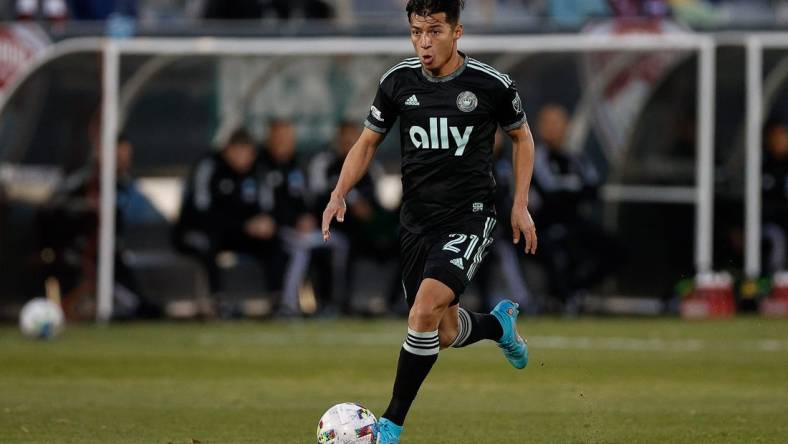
522	222
336	208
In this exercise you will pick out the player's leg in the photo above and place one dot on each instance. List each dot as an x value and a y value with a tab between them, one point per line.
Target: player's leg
460	328
455	261
456	328
468	328
420	349
449	327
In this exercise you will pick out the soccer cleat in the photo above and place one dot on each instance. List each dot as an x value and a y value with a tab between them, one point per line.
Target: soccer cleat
388	432
514	348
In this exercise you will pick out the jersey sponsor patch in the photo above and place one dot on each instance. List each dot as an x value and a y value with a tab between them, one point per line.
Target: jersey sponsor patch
467	101
458	263
376	113
438	137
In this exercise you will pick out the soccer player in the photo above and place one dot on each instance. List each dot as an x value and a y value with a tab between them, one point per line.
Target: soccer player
449	106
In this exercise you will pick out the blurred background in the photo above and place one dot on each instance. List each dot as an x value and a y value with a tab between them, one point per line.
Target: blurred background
224	162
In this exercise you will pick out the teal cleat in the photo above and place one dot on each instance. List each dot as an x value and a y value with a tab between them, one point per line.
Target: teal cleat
514	348
388	432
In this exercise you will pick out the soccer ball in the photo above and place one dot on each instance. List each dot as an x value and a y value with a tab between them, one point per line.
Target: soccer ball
347	423
41	318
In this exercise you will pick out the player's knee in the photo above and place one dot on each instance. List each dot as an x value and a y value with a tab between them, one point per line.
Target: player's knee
424	316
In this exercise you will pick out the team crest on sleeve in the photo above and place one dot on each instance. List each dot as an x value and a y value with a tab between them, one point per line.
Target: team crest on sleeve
376	113
517	104
467	101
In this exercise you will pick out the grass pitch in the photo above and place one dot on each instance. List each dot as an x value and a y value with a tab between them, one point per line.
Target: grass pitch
589	381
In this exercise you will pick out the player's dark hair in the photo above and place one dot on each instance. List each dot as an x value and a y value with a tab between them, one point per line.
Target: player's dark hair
424	8
240	137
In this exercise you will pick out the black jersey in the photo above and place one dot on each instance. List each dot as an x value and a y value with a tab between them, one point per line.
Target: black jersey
447	131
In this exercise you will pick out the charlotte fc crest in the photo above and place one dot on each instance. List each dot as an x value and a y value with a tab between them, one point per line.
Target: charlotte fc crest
467	101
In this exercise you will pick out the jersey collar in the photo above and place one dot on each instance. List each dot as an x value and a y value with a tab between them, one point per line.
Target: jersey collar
447	77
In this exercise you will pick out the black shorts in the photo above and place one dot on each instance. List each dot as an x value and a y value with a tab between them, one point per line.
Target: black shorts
450	254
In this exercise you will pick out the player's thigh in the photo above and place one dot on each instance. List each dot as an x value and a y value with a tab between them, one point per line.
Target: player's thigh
456	255
431	302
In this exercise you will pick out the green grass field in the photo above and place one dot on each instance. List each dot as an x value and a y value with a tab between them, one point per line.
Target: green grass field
589	381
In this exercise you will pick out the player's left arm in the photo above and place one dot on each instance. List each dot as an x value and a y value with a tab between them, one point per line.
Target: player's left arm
523	162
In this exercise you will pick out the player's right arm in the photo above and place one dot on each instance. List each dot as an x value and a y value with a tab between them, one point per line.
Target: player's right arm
353	169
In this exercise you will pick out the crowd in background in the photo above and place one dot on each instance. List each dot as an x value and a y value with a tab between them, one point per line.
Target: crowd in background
569	13
263	203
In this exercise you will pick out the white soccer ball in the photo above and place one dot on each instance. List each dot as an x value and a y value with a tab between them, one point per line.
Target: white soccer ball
347	423
41	318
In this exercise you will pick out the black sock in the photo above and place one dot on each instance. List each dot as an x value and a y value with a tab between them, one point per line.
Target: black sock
477	326
416	358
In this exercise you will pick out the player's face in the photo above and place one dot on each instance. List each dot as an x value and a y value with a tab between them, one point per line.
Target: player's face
435	41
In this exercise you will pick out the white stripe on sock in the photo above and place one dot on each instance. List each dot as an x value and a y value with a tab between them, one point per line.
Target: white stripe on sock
416	341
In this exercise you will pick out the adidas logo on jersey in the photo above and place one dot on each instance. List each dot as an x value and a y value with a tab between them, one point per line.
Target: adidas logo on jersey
412	101
438	137
458	263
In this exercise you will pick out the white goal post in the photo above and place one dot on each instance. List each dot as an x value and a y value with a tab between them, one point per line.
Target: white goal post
756	44
113	50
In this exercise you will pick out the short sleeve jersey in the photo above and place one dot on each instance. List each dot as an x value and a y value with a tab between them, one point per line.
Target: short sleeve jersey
447	131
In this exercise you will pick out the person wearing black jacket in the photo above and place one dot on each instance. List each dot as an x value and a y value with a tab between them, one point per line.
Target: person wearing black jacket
288	201
576	250
369	228
227	206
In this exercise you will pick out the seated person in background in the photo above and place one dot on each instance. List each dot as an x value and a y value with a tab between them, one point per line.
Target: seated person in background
69	228
370	229
506	257
286	198
577	252
775	195
134	208
226	207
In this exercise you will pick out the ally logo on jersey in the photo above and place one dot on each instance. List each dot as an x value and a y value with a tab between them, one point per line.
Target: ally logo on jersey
439	136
